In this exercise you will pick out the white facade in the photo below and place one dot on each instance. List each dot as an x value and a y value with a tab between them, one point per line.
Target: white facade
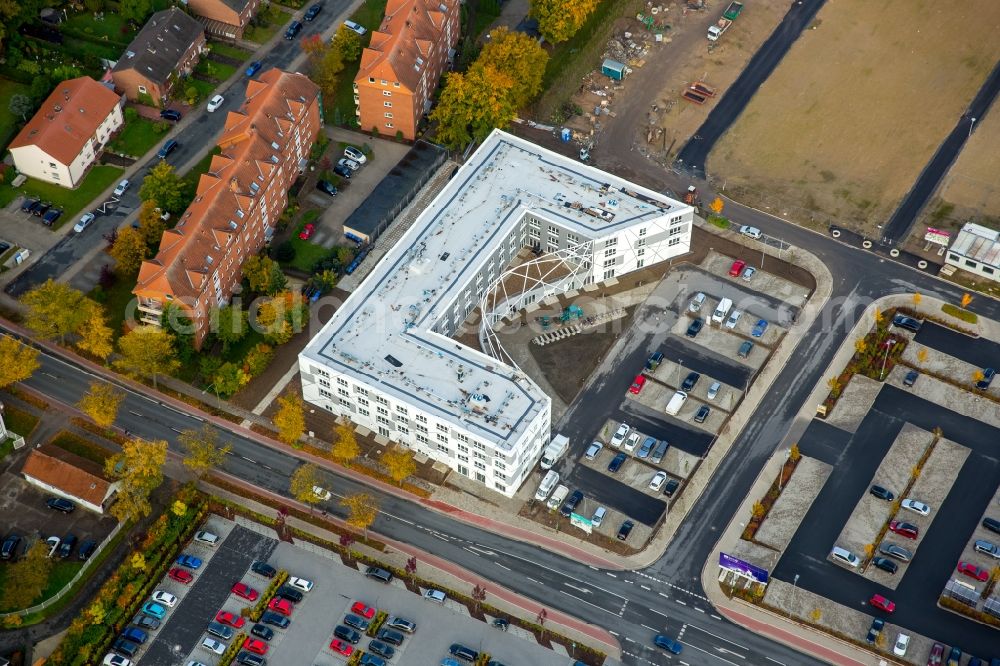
54	490
33	160
386	359
977	250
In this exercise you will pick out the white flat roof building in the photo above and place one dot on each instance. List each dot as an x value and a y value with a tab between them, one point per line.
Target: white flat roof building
386	359
976	249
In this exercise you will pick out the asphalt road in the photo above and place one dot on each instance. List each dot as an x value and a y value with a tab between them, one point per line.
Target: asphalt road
195	138
977	351
692	157
701	359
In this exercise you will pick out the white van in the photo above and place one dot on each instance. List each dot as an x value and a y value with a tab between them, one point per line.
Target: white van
696	302
844	556
557	497
547	484
720	313
676	402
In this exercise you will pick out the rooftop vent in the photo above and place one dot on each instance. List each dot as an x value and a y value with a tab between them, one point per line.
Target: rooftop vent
393	361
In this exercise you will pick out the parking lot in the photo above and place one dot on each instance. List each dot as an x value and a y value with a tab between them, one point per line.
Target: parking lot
336	587
958	480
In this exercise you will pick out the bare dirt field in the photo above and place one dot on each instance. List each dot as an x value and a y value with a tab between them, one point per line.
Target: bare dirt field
846	123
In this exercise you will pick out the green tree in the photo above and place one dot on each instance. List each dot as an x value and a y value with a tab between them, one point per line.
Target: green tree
558	20
165	187
101	403
326	64
520	57
135	10
229	324
230	378
202	452
147	351
151	223
473	104
263	275
400	464
345	448
302	484
139	469
290	418
32	575
19	361
21	105
54	310
347	43
129	251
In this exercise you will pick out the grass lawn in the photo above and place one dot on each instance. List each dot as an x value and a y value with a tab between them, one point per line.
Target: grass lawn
216	70
370	16
8	121
307	252
230	51
71	201
115	301
82	447
110	26
19	421
6	447
276	19
204	88
138	136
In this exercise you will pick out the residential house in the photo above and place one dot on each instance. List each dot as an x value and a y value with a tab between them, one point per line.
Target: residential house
165	50
68	133
402	65
977	250
224	18
265	146
65	474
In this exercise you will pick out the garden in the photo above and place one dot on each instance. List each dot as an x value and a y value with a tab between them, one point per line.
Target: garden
266	23
138	136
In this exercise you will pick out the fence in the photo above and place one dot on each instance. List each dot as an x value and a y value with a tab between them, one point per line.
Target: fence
85	569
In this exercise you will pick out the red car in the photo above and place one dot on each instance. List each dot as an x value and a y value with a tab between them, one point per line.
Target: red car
970	569
737	268
180	575
245	591
282	606
254	645
307	231
233	620
909	530
340	647
364	611
880	602
637	384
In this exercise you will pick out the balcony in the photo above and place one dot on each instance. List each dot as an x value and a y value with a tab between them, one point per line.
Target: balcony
355	86
150	310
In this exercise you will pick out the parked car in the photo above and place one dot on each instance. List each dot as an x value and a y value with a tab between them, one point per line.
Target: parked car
29	204
695	305
254	67
437	596
85	221
215	103
154	610
911	504
954	656
401	624
207	538
637	384
346	634
371	660
349	163
294	28
341	647
260	568
219	630
189	561
255	645
379	574
382	649
124	185
245	658
992	524
713	390
462	652
737	268
212	645
892	550
312	12
360	623
937	655
902	528
593	450
617	462
67	545
116	660
363	610
147	622
734	318
750	232
646	448
571	502
282	606
41	209
244	591
125	647
988	375
702	414
170	146
873	632
625	530
233	620
8	551
326	187
902	642
620	435
170	114
307	231
632	442
598	516
180	575
61	504
909	323
882	493
690	381
694	328
749	272
671	487
911	378
342	171
351	25
657	481
987	548
971	570
164	598
759	328
885	564
654	361
51	216
882	603
275	620
745	349
262	631
355	154
390	636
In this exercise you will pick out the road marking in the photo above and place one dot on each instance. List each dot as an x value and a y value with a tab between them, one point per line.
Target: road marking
501	566
646	626
483	551
664	595
699	609
588	603
533	580
176	430
775	661
742	647
644	587
735	654
714	616
136	413
680	602
580	589
614	633
561	573
49	374
658	612
611	574
711	655
470	550
249	460
438	536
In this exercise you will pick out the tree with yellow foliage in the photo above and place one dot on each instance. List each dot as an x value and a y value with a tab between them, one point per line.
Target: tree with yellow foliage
966	299
54	310
400	463
362	510
147	351
558	20
19	361
101	403
129	251
139	468
151	223
345	448
520	57
290	418
717	205
473	104
96	337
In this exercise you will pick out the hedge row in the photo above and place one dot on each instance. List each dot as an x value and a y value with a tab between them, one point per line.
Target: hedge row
232	650
254	612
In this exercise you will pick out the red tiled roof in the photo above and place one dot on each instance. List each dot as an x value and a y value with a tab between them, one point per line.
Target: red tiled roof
408	31
68	118
75	476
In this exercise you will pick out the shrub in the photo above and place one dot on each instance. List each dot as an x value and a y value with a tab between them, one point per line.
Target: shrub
255	611
284	253
959	313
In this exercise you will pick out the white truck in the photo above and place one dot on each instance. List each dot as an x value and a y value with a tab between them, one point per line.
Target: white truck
728	17
676	402
546	486
720	313
554	451
557	497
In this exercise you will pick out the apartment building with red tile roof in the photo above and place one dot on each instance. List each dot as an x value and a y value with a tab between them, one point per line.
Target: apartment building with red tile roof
225	18
68	133
402	65
265	146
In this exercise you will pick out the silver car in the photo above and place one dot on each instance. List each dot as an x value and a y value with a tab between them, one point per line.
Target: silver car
892	550
598	517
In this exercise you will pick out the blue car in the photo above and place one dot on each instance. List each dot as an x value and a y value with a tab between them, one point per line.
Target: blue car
667	644
759	329
154	609
254	67
189	561
617	462
646	447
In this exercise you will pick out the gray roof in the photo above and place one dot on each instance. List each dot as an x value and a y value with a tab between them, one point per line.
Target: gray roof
160	44
978	243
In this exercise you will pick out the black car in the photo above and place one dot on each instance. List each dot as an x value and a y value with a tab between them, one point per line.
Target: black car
501	624
390	636
882	493
342	171
908	323
381	649
876	629
992	524
290	593
346	634
8	551
260	631
170	114
671	487
275	619
617	462
625	530
695	328
359	623
147	622
4	247
250	659
911	378
371	660
87	549
379	574
125	647
264	569
312	12
41	209
702	414
690	381
988	375
885	564
294	29
575	498
66	547
50	217
326	187
462	652
28	205
169	147
654	361
61	504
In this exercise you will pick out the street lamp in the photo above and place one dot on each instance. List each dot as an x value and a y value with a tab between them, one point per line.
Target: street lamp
971	125
781	473
888	345
795	583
